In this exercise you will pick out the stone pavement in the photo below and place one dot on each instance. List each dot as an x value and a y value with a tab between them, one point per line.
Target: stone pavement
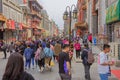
77	71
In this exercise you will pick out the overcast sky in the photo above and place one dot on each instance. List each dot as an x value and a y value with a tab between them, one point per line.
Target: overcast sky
56	8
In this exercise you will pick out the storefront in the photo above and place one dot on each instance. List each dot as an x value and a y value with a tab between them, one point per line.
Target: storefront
26	32
13	31
81	28
113	27
10	33
2	21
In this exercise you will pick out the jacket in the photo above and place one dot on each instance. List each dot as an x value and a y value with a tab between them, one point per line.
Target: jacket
77	46
27	53
48	52
39	54
84	56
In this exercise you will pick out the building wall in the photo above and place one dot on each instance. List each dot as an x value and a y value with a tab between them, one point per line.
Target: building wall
66	27
45	19
12	11
101	16
89	16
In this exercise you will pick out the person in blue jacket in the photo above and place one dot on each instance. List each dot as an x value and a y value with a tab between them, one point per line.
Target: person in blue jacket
48	55
43	43
28	53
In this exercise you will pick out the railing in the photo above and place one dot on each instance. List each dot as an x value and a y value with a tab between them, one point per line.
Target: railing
36	13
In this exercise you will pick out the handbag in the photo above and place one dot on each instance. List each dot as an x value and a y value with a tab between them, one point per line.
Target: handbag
52	63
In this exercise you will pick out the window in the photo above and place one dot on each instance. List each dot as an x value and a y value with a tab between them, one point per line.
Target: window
6	11
18	17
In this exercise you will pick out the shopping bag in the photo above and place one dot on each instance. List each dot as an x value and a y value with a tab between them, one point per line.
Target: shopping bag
52	63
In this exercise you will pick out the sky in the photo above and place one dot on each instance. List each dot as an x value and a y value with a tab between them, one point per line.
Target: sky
56	8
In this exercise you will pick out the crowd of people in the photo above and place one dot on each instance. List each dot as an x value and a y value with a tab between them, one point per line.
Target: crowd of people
43	51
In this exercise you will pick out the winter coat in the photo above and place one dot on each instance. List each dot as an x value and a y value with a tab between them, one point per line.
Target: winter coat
77	46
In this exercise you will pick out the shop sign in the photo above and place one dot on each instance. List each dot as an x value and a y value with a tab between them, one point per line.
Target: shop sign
113	12
10	24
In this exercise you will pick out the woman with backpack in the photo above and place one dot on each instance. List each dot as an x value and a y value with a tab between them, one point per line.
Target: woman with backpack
40	57
48	55
87	60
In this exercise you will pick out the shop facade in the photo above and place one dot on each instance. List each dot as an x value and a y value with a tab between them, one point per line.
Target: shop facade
113	27
2	22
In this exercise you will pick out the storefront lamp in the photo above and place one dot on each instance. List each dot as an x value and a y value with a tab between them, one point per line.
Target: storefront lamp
71	13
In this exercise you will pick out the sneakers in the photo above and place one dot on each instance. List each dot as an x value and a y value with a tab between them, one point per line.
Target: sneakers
33	67
41	70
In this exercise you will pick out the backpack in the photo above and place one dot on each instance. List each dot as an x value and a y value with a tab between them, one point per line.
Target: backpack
42	54
47	52
90	58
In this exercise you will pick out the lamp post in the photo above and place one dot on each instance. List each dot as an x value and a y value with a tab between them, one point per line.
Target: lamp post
69	15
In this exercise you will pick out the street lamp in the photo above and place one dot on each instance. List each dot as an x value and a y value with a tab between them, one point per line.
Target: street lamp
69	15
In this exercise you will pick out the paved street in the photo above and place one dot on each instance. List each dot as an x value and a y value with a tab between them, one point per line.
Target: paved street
77	71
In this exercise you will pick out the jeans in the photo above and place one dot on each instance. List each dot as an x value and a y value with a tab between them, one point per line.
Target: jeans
77	53
27	63
65	76
87	71
32	59
103	76
36	62
41	62
5	55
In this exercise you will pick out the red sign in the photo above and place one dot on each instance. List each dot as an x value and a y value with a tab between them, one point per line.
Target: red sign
12	24
24	1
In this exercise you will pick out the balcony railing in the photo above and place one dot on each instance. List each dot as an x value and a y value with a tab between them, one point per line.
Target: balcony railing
36	13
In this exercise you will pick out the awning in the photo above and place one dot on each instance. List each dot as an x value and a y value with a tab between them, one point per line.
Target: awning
25	26
40	28
81	25
2	18
34	27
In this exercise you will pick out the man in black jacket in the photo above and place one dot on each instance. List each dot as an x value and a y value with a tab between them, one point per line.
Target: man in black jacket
84	57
